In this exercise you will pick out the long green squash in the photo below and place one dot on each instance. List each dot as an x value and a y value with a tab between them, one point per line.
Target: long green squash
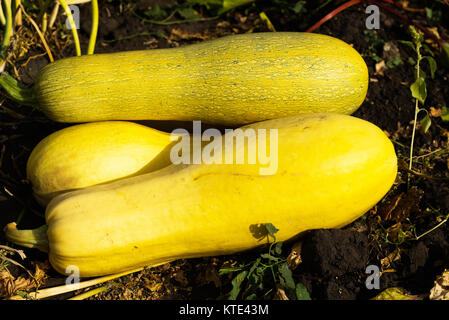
331	169
232	80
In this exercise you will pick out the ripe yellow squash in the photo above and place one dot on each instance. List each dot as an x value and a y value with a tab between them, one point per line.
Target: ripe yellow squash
92	153
331	169
233	80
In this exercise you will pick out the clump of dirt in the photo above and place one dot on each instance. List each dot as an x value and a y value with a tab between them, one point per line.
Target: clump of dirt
334	262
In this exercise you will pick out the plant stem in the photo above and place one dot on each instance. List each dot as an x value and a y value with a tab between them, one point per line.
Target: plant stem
7	33
24	96
54	14
439	151
387	9
413	134
18	17
36	238
166	23
437	226
68	12
418	60
47	48
89	294
93	33
407	20
2	16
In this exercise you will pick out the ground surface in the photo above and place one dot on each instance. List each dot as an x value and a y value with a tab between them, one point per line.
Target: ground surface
333	261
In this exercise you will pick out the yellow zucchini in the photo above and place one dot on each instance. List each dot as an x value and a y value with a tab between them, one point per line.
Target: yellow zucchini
92	153
331	169
232	80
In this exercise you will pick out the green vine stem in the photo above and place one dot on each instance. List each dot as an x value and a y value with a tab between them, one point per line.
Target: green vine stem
437	226
18	13
93	32
2	16
17	92
7	33
35	238
68	12
417	40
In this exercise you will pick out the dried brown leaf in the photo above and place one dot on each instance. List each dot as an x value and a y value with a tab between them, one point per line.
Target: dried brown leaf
434	112
402	205
380	67
280	294
393	256
6	283
152	285
294	258
9	285
440	290
390	51
179	34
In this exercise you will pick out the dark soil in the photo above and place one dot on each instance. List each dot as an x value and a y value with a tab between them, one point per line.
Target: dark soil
334	261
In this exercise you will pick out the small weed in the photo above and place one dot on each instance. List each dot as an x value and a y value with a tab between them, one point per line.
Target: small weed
260	278
418	88
433	16
298	7
375	44
189	11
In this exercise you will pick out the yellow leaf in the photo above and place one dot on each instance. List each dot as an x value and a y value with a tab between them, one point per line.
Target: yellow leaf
396	293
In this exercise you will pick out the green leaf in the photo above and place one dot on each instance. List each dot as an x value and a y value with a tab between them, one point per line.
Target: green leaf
444	114
257	277
188	13
301	292
432	64
425	123
236	283
428	49
428	13
271	229
252	296
207	3
422	74
433	16
407	43
299	7
253	267
269	257
376	58
156	13
286	277
223	271
278	248
255	274
419	90
231	4
394	62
